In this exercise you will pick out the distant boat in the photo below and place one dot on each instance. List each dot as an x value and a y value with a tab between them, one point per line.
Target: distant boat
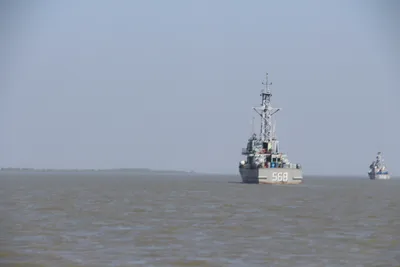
377	169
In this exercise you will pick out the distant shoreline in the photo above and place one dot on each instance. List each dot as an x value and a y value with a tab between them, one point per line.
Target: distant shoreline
141	170
149	171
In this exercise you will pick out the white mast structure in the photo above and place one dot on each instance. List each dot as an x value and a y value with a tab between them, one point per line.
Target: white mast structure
267	129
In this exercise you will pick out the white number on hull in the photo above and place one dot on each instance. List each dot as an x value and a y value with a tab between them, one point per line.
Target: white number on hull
280	177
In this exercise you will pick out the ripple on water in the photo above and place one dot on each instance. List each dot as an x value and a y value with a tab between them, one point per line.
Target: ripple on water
192	223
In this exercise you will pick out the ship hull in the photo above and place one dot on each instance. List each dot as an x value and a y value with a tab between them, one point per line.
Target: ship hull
271	176
374	176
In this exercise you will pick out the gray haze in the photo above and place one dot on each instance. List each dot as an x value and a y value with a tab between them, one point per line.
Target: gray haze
170	84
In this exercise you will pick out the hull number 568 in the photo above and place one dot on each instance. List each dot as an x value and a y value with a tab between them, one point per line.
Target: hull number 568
279	176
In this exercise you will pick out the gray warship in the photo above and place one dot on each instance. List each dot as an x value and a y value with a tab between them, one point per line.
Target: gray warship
265	163
377	169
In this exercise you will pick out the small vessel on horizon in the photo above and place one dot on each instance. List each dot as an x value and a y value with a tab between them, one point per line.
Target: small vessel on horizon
265	163
377	169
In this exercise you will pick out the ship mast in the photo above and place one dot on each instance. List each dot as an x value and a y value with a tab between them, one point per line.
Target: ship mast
379	160
266	111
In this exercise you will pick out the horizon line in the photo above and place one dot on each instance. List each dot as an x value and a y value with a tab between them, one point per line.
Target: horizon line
151	170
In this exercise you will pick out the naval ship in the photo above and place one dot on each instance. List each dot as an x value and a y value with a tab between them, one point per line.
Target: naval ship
265	163
377	169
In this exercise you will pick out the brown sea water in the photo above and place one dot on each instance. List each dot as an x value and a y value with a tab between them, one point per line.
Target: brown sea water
130	219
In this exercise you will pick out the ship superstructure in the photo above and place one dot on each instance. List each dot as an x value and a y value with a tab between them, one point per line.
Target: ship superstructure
377	169
265	163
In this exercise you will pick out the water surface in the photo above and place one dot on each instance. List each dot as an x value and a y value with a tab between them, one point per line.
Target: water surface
127	219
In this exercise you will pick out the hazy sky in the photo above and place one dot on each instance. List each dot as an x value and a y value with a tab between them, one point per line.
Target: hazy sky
171	84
